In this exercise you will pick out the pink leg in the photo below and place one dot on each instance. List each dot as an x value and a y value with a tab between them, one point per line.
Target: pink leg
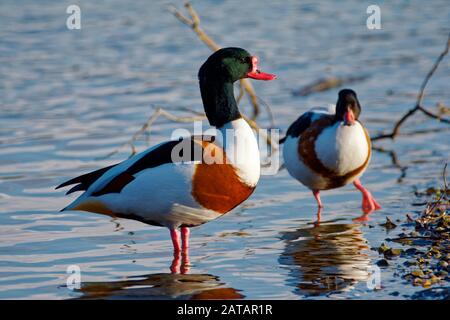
175	235
180	265
185	265
175	266
319	205
317	196
319	217
185	237
368	203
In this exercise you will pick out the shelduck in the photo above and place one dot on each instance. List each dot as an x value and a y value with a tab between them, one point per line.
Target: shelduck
330	148
184	183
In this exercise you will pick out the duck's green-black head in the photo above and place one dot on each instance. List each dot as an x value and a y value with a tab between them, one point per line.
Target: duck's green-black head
232	64
348	108
216	77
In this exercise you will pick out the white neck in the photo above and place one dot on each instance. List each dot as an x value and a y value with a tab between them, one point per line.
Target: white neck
240	145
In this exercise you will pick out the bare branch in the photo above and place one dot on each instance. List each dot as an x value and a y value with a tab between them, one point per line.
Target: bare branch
180	16
193	21
198	116
192	13
194	24
434	116
431	72
252	96
147	126
420	96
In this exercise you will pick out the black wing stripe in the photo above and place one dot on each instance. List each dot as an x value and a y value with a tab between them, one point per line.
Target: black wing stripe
115	185
86	180
152	159
155	158
163	154
78	187
300	125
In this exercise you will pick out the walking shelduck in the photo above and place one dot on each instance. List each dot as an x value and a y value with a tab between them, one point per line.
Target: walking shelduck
184	183
327	149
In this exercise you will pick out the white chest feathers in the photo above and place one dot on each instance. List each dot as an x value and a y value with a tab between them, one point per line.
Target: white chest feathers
343	148
241	148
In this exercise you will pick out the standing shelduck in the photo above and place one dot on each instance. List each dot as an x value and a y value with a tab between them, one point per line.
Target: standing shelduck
327	149
184	183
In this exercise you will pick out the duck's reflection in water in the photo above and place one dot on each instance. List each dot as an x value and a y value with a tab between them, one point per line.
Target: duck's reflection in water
161	286
327	258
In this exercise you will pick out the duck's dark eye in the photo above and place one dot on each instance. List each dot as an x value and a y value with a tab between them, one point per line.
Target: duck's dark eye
244	60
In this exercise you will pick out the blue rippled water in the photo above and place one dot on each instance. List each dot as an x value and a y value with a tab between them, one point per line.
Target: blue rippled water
70	97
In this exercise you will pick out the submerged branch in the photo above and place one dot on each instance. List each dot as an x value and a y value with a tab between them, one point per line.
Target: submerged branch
394	159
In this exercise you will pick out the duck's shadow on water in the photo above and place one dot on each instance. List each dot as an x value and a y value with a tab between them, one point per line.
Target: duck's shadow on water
160	286
326	258
178	284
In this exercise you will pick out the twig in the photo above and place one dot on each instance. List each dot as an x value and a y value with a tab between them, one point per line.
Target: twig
241	93
194	23
147	125
269	112
245	87
199	116
438	201
418	106
444	175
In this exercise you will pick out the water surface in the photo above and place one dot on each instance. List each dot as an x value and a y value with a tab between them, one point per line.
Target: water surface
68	98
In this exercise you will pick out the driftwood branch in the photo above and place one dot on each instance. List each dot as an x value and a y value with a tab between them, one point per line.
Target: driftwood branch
419	102
194	23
